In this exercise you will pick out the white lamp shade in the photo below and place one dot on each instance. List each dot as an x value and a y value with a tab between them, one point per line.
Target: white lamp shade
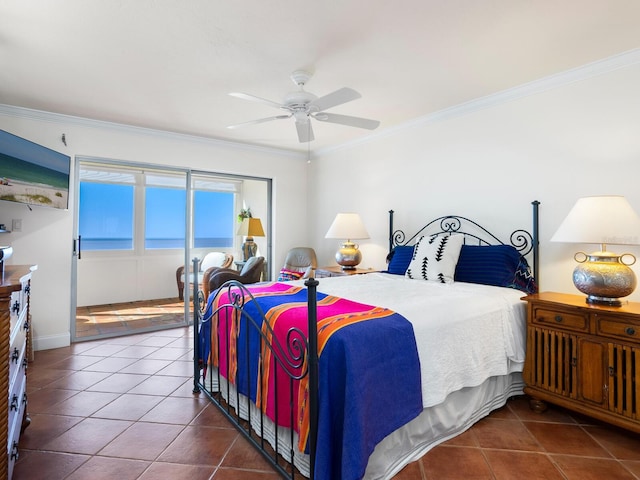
348	226
605	220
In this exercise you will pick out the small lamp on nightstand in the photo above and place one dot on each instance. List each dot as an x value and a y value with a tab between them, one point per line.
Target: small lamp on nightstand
349	226
603	275
250	227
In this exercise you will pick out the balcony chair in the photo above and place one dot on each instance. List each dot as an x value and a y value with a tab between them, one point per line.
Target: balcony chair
251	273
210	260
300	262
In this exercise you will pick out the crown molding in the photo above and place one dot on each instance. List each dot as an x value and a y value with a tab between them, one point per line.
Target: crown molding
584	72
60	118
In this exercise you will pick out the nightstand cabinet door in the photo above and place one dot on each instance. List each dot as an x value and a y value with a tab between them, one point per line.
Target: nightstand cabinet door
584	357
591	367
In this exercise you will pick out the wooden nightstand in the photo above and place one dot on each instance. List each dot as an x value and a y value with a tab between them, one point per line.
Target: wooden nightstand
337	271
584	357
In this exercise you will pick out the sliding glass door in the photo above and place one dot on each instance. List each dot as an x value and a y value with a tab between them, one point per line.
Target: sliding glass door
138	229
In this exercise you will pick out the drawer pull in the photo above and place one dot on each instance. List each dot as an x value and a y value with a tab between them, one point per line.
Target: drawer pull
14	451
558	318
15	355
14	403
630	331
16	307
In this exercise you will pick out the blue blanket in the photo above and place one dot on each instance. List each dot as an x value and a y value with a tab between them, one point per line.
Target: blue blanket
369	380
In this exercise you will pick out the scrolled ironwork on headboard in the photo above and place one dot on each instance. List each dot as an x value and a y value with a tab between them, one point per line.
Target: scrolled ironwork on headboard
522	240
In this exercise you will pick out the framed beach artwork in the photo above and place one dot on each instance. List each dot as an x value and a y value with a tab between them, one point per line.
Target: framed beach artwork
33	174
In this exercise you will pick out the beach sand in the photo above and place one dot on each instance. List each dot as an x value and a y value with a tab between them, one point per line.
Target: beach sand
34	194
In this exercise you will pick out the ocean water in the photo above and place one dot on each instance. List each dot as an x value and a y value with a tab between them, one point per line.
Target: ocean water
153	243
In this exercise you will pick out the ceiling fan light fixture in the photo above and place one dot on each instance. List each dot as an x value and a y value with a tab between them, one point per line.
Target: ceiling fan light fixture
302	104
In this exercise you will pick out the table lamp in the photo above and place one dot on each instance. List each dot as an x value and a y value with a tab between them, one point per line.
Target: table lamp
606	220
250	227
349	226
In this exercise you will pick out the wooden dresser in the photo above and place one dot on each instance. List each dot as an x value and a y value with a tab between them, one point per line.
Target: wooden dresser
584	357
14	328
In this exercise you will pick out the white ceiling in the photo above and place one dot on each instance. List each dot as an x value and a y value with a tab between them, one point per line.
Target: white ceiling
170	64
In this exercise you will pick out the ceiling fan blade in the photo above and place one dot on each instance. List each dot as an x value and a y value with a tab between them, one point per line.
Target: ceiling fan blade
260	120
338	97
305	131
347	120
253	98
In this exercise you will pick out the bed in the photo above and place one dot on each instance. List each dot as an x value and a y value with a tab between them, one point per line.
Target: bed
355	377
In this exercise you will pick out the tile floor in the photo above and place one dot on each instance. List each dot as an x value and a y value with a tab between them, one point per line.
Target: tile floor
123	409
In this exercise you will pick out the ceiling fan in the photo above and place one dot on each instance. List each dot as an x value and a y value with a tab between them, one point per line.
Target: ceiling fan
303	105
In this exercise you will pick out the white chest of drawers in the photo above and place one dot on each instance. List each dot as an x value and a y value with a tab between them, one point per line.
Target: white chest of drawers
14	346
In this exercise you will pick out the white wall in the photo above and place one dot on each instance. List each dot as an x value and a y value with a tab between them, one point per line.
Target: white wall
488	162
47	234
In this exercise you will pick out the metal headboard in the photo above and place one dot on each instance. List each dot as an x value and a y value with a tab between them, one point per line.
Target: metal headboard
525	242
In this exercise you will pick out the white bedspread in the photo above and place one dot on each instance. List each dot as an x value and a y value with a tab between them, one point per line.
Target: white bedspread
465	332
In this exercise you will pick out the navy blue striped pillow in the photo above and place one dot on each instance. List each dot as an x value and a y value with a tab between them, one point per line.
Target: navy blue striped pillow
400	259
500	265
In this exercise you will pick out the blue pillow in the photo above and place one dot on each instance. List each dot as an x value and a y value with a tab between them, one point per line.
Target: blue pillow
499	265
400	259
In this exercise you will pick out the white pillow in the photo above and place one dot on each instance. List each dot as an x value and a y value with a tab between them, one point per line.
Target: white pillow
212	259
435	258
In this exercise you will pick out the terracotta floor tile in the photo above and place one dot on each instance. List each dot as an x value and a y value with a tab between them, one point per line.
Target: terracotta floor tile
504	434
88	436
44	398
118	383
136	351
178	368
33	465
622	444
175	410
508	465
566	439
465	439
77	380
82	404
580	468
237	474
200	446
455	463
244	455
110	364
44	428
211	416
169	353
413	471
633	467
520	406
103	468
75	362
128	407
164	471
103	350
46	376
155	385
142	441
147	367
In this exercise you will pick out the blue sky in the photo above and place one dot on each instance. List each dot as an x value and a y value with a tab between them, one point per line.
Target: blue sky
28	151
